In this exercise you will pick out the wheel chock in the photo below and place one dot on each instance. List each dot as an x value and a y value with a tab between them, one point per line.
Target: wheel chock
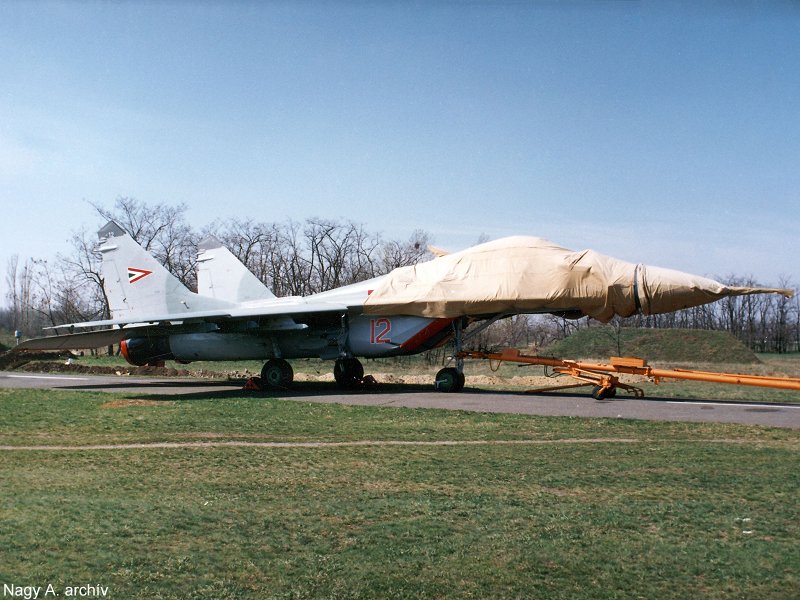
253	384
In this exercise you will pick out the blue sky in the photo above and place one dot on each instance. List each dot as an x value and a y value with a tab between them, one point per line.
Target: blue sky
664	133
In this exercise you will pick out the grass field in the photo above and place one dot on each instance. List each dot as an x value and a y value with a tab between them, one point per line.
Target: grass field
573	508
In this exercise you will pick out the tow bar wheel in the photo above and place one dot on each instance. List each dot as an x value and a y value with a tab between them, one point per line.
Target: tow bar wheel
601	393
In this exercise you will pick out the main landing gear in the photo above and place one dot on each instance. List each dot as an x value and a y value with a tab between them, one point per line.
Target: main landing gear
277	373
348	372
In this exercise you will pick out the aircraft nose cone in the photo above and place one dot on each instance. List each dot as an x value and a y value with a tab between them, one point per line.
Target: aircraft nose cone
664	290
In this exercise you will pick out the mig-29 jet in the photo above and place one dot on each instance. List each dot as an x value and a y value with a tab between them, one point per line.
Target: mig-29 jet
234	316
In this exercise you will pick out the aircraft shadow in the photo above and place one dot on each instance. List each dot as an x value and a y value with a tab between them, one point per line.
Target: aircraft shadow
205	390
146	385
184	390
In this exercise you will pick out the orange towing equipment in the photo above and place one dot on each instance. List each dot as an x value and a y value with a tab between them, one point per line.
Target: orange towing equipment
605	377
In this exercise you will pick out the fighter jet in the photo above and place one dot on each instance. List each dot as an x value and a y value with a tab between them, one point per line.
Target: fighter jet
412	309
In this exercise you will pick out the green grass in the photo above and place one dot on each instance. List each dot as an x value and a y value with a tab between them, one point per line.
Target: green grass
640	510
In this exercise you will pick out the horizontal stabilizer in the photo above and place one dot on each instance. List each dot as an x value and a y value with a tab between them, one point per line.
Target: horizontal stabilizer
75	341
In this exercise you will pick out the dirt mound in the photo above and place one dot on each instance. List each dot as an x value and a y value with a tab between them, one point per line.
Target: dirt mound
11	360
313	377
62	367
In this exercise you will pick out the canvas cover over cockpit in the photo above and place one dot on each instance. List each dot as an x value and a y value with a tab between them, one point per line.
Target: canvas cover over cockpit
533	275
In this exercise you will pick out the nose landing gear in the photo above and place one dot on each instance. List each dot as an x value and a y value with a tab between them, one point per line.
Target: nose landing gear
449	380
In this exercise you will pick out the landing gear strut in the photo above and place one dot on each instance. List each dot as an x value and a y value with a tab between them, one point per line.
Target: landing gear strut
348	372
451	379
277	373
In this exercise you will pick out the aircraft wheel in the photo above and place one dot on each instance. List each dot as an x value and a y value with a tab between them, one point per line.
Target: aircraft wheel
277	373
348	372
449	380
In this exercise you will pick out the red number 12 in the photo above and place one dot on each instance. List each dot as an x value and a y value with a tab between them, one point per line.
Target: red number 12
379	331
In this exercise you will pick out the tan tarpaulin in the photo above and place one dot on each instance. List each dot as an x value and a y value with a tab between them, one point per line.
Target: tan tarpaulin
529	274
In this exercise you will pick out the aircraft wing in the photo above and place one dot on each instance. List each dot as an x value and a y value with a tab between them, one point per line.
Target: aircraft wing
278	310
288	310
279	318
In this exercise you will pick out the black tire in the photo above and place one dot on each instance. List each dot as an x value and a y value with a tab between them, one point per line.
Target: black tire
449	380
348	372
277	373
601	393
461	381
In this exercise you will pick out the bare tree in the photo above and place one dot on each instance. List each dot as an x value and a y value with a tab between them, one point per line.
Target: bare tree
81	267
12	295
780	328
396	254
294	266
338	253
19	281
319	254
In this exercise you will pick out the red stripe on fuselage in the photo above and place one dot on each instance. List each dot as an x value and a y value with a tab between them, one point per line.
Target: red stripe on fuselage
424	334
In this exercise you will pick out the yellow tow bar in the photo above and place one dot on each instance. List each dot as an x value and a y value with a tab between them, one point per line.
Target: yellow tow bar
605	377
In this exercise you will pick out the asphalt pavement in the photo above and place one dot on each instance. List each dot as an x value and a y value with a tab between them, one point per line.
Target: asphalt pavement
415	396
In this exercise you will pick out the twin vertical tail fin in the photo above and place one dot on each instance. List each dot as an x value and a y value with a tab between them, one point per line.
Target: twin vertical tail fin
222	276
139	287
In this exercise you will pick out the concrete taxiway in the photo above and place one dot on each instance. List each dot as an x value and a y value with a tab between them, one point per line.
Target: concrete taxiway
655	409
